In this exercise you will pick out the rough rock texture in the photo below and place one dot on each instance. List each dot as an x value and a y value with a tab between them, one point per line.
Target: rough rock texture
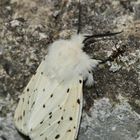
112	106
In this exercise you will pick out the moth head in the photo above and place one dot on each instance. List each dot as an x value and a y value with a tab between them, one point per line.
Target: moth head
78	40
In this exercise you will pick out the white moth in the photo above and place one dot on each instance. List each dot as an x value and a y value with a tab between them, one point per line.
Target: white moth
51	104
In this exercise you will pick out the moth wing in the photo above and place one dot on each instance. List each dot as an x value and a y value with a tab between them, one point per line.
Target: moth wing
48	108
57	116
24	107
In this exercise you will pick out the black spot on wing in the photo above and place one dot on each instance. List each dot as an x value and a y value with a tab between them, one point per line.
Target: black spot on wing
70	118
44	106
68	90
24	113
78	101
51	95
57	136
41	122
80	81
27	89
50	113
69	130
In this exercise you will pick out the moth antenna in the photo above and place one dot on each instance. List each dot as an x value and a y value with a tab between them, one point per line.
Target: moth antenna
103	35
79	17
91	38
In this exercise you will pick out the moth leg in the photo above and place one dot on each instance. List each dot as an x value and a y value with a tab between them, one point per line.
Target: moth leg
115	54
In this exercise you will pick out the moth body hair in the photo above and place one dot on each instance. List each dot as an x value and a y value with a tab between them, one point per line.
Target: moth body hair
66	60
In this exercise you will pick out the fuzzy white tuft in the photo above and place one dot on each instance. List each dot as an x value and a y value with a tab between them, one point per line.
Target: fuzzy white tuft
66	60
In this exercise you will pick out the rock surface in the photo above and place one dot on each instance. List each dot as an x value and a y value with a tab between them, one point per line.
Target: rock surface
112	106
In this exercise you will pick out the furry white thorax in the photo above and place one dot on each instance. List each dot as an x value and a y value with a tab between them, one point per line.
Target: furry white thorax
66	60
